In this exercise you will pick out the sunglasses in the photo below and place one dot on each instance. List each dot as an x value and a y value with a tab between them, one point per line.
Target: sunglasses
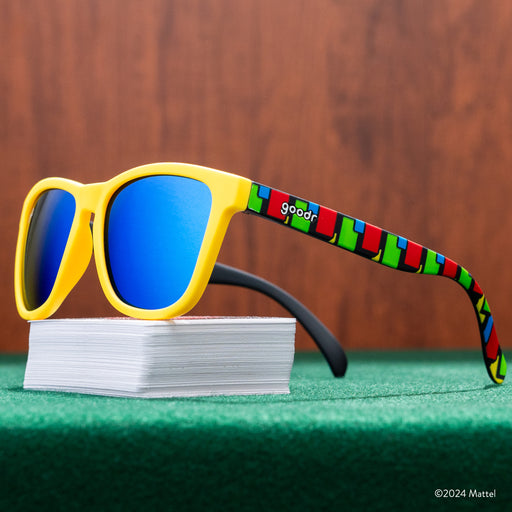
157	232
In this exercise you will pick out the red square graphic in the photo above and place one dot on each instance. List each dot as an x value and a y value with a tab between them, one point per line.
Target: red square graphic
326	221
371	240
491	348
450	268
277	198
413	254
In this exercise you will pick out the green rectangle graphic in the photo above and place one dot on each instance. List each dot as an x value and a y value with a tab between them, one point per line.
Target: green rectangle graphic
300	222
431	265
255	202
391	252
465	279
348	237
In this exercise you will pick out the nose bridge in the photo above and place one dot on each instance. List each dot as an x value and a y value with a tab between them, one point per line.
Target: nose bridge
90	196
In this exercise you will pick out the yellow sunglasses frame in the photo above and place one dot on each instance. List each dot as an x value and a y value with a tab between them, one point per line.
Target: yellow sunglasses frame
230	194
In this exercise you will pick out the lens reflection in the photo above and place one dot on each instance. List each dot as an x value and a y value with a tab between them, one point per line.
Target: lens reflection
153	234
47	236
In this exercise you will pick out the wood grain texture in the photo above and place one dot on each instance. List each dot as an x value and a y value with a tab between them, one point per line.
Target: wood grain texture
396	112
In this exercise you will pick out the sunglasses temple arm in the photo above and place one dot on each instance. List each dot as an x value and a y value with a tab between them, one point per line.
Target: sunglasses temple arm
324	339
380	246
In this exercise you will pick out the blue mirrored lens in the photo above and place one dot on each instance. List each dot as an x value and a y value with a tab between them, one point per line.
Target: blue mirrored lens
46	240
153	233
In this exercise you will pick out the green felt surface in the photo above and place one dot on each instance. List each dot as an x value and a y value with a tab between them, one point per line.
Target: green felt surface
385	437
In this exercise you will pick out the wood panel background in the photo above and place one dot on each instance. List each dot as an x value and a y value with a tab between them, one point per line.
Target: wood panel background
396	112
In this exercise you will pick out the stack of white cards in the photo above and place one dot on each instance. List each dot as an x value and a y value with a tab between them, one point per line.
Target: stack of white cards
187	356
